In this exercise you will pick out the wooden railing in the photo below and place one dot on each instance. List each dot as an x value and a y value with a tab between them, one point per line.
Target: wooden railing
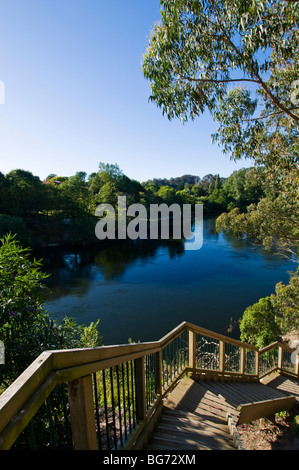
110	397
278	357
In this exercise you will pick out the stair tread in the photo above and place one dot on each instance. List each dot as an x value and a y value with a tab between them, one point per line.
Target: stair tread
189	421
195	413
193	441
208	431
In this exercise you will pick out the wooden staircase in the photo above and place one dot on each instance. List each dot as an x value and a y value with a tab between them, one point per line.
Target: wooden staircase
203	415
141	395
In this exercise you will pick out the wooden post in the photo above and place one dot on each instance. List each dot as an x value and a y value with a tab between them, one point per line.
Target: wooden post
257	363
242	361
280	356
82	414
140	389
159	373
222	357
192	350
297	365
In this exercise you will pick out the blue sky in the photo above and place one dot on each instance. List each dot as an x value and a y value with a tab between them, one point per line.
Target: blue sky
75	94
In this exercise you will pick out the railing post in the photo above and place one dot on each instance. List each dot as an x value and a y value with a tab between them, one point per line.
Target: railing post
222	357
80	395
192	350
140	389
297	365
280	356
257	363
159	373
242	360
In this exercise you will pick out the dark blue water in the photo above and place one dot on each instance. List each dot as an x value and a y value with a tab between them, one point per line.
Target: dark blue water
142	290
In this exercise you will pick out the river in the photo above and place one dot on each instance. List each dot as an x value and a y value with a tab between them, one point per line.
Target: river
141	290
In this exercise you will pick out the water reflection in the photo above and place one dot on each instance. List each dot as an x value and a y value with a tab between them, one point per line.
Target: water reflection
142	289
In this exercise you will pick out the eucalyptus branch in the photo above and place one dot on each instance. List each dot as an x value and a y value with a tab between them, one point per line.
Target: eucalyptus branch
254	71
219	80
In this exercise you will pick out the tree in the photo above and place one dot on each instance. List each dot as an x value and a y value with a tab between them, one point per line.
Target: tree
274	316
168	195
75	197
274	220
26	329
286	303
258	326
24	192
242	189
202	47
50	176
197	58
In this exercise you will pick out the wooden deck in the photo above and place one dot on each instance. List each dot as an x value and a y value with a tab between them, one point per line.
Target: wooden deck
193	418
284	384
195	413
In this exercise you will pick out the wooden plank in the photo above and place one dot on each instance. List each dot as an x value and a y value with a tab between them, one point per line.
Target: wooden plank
158	384
72	373
196	397
169	442
147	425
242	360
251	412
20	420
82	414
192	350
14	397
140	388
193	422
163	342
204	417
241	393
185	428
75	357
220	337
221	356
205	401
214	442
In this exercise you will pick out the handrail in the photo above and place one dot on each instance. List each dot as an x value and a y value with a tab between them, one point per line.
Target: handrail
274	345
177	352
219	336
274	360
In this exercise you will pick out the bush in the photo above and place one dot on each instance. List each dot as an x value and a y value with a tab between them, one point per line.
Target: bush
15	225
274	316
26	329
258	325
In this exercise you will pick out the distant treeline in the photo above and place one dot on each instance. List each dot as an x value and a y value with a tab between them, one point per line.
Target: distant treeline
61	209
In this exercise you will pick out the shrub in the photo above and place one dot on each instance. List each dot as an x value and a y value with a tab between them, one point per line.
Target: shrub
26	329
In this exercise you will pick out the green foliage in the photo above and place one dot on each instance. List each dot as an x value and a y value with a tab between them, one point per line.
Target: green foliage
286	303
197	57
16	225
273	316
25	328
23	193
274	219
75	197
201	47
258	325
295	425
62	209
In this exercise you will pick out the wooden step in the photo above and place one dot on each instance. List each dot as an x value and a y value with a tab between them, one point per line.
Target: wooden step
286	385
192	418
180	440
235	394
171	428
195	414
264	409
